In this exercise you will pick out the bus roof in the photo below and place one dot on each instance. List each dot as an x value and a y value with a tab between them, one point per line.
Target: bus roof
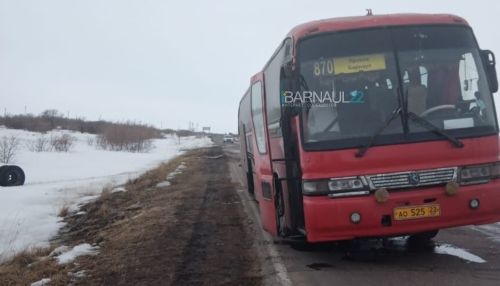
368	21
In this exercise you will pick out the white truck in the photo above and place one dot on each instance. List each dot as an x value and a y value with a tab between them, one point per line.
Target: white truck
228	139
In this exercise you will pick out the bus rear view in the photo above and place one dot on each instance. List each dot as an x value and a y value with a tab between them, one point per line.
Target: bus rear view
374	126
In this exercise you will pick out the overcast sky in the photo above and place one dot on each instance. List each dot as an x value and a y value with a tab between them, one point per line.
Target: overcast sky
166	62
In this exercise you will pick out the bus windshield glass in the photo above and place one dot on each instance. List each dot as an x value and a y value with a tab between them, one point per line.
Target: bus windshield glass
351	84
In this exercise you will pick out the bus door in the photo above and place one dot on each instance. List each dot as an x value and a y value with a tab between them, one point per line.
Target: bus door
263	178
247	160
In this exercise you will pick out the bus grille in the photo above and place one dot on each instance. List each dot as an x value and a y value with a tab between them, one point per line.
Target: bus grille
412	178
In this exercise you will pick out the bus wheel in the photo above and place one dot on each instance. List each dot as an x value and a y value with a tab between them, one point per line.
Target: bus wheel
280	209
250	187
250	184
424	236
422	241
301	246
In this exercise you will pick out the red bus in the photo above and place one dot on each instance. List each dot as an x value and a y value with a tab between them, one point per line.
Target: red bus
373	126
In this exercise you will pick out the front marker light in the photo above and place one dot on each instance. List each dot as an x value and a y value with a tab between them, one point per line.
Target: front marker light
474	204
355	218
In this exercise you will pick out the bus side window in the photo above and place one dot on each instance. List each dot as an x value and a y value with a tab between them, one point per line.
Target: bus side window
258	117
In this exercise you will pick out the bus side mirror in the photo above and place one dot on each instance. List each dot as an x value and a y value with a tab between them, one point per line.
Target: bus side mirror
489	62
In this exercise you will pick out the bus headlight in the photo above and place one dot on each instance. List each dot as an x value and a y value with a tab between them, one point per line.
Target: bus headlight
323	187
477	174
315	188
345	184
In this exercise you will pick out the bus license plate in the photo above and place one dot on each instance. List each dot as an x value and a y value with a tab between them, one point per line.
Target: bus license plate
416	212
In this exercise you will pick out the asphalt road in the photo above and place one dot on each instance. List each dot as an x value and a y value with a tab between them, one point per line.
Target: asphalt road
459	256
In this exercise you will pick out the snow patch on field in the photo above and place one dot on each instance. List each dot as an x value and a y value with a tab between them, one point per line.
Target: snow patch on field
42	282
29	213
172	175
163	184
118	190
79	250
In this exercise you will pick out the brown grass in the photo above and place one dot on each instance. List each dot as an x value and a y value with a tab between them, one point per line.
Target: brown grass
133	218
127	137
31	266
106	220
64	211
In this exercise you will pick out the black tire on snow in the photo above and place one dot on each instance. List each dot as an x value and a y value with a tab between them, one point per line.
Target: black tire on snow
11	176
2	169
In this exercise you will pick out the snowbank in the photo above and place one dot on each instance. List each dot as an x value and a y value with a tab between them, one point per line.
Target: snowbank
29	213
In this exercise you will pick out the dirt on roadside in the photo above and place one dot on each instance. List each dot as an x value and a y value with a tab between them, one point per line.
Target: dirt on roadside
192	232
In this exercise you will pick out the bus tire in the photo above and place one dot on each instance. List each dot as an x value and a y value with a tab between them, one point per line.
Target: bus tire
424	236
250	185
422	241
11	176
250	189
2	169
303	246
279	204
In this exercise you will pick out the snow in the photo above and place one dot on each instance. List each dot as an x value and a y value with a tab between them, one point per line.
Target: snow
458	252
29	213
176	172
79	250
79	274
43	282
59	250
492	231
118	190
163	184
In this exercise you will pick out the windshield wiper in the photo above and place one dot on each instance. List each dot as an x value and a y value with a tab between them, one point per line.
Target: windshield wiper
362	150
433	128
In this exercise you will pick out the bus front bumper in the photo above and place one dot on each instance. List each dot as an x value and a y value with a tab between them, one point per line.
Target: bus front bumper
330	219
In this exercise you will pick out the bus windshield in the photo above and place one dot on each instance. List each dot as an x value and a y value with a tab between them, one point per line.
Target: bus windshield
351	84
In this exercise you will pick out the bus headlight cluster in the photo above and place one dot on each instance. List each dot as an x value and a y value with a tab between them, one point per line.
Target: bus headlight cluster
336	187
479	174
345	184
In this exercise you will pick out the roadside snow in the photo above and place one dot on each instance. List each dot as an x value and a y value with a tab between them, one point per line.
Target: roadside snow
492	231
458	252
29	213
163	184
43	282
118	190
79	250
79	274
